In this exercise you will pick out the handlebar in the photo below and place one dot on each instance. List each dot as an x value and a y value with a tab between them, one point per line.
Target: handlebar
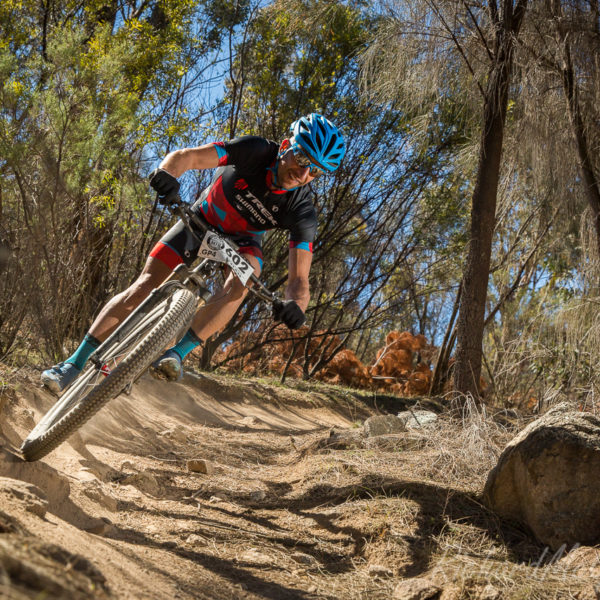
182	209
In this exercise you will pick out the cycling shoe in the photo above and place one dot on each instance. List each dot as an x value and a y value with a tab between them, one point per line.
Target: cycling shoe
59	377
169	366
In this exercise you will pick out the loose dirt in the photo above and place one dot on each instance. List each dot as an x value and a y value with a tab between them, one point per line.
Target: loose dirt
297	502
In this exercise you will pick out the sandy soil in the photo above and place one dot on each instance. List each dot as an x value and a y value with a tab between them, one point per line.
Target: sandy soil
298	506
120	495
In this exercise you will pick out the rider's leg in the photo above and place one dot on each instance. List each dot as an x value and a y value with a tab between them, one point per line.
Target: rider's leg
209	319
219	310
116	310
57	378
175	247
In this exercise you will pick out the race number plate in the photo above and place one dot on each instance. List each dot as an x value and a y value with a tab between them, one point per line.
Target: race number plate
214	248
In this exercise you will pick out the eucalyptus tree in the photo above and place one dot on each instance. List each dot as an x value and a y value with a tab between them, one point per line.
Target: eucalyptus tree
559	132
90	93
561	93
428	54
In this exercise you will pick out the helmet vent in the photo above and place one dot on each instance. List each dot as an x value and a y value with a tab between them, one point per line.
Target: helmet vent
320	139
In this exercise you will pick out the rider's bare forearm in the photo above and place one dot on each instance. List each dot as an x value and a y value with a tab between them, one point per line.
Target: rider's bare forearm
180	161
298	290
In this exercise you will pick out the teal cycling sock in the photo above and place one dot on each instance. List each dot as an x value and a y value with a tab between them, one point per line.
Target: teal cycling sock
186	344
85	350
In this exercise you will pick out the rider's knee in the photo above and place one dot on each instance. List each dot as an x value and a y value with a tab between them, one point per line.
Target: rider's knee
237	291
138	290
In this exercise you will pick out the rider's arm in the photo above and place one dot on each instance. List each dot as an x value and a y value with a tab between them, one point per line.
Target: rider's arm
180	161
299	267
243	151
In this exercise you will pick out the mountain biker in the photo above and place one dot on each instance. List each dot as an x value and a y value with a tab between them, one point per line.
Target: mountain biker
258	185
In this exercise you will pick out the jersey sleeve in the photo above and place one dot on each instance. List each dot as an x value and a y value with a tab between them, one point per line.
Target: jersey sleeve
221	153
247	153
304	228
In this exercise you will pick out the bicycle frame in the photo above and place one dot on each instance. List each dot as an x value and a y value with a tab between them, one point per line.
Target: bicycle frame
182	276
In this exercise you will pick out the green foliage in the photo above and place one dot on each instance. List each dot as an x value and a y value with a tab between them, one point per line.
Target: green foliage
86	89
92	95
294	67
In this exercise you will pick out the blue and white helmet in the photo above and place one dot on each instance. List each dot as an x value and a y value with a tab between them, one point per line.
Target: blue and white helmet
320	140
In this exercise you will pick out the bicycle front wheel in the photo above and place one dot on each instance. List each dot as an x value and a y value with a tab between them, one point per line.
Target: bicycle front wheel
121	365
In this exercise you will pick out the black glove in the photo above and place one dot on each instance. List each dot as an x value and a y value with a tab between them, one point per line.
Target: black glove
165	184
288	312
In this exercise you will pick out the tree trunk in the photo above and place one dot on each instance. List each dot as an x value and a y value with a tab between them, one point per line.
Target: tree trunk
591	184
483	206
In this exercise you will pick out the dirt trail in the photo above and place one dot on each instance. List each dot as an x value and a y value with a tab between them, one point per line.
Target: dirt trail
300	505
118	493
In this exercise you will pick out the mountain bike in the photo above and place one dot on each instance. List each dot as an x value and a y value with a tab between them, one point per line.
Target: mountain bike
165	315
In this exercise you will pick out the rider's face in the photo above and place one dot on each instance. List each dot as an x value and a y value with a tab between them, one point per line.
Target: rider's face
290	174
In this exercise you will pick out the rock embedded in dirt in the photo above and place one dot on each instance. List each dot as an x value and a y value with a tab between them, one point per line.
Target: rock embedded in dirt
417	419
418	588
175	434
547	478
254	556
200	465
93	490
383	425
102	527
143	481
379	571
304	559
28	496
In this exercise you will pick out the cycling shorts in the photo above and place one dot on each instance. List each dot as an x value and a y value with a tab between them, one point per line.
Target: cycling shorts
178	246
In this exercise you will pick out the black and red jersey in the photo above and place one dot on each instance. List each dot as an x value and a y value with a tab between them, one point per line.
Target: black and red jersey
239	200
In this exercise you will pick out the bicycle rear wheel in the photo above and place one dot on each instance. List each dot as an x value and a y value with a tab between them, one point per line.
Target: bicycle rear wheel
121	365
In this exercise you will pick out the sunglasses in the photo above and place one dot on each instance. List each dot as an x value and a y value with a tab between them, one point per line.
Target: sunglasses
303	161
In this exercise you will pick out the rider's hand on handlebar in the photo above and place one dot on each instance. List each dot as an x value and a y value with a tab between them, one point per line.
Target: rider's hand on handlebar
289	313
165	184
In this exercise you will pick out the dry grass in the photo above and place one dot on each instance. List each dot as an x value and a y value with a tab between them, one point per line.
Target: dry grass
315	515
464	448
407	503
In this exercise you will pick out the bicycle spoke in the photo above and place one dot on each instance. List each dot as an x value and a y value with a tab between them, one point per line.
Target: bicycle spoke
128	353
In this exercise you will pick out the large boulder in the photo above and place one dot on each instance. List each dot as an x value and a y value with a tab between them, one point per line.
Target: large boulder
547	478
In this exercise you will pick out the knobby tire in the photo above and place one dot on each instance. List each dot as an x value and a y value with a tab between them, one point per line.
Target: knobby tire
66	420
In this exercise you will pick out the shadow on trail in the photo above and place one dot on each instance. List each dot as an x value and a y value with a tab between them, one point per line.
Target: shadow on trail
55	486
437	506
235	573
